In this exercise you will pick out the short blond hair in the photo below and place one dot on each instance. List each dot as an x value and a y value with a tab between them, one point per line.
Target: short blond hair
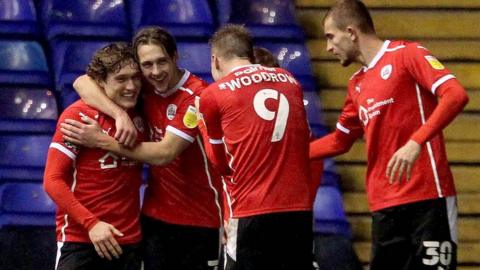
233	40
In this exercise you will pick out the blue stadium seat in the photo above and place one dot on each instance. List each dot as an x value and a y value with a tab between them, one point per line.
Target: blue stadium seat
70	60
25	204
23	63
18	19
295	58
328	212
23	157
86	18
27	110
183	18
223	10
195	56
268	19
313	108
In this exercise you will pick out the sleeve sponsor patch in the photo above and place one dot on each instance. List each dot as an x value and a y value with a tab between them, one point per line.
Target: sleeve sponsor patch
434	62
190	117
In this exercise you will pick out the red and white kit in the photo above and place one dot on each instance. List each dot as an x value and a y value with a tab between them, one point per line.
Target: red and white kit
390	102
103	185
256	117
185	192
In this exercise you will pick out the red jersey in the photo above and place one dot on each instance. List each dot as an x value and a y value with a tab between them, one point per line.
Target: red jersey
258	113
389	101
94	185
185	191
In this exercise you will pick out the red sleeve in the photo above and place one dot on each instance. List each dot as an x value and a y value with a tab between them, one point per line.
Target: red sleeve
432	76
212	133
349	129
214	151
211	114
184	122
425	68
59	171
453	99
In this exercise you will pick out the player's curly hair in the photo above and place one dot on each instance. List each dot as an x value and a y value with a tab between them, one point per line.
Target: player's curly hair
155	35
110	59
233	40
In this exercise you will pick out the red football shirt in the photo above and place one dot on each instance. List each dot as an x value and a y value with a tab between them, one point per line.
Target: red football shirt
105	186
186	191
388	101
258	113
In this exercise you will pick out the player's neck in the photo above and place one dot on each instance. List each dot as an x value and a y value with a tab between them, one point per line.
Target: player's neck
235	63
176	77
369	47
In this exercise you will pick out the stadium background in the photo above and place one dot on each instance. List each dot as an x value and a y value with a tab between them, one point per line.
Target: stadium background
45	44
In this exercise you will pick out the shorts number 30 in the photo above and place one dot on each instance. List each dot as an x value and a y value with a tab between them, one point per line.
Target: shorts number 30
438	252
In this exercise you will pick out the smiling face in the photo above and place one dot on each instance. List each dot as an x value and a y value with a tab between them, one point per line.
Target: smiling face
123	87
340	43
157	66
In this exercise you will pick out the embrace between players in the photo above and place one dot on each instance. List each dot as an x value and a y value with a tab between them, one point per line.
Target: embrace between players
235	155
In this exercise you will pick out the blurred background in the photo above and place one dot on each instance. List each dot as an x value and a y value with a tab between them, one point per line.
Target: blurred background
46	44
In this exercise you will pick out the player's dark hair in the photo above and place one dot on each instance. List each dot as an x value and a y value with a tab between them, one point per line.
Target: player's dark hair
110	59
233	40
264	57
351	12
155	35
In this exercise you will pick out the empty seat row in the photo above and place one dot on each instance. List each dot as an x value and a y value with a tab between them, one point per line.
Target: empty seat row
24	62
115	18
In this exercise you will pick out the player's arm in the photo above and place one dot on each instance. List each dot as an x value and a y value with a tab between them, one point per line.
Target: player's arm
452	98
348	130
89	134
59	169
211	131
90	92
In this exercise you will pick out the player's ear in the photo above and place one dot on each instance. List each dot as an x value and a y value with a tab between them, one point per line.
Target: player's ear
215	62
101	83
175	57
352	33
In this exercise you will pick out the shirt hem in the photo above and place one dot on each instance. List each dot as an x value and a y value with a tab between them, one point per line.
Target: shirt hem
396	202
241	214
83	241
183	223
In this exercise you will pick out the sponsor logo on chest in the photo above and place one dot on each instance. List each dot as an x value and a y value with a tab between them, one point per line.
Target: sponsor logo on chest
373	109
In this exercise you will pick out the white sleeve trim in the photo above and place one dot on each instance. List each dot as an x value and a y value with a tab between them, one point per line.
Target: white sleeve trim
342	128
180	134
441	81
215	141
64	150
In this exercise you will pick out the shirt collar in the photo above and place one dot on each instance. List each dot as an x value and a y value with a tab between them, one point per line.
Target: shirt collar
378	56
244	66
174	89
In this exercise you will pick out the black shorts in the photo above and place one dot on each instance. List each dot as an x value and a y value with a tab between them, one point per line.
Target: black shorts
280	241
420	235
82	256
177	247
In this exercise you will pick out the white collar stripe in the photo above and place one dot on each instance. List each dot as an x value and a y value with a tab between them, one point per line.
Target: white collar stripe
379	55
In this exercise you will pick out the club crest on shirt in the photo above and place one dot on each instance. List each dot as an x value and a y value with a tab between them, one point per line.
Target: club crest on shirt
138	122
190	117
434	62
171	111
386	72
